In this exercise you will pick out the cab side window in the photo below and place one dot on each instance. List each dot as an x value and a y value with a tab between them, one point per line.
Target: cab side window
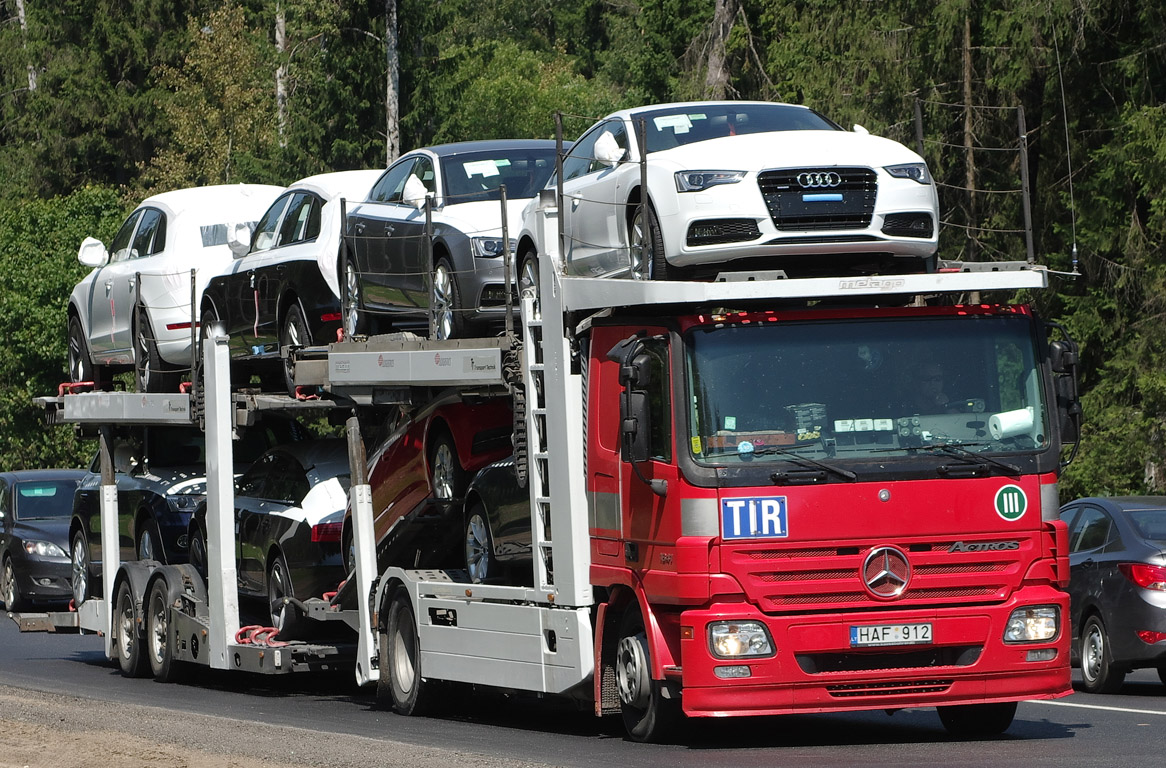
660	401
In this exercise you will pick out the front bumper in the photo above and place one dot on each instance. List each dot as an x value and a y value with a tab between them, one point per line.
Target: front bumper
44	579
815	669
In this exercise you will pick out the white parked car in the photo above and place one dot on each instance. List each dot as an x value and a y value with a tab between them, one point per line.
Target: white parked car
762	185
134	309
282	287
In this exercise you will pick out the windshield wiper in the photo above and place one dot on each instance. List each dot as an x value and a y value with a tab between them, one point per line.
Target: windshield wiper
960	451
779	477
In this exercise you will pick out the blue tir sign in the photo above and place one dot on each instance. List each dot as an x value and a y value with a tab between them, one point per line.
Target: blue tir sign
754	517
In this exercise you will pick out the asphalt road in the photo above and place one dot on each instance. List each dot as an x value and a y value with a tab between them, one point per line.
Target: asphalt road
1081	730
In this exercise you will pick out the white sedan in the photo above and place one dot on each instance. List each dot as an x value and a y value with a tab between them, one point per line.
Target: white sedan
762	185
134	309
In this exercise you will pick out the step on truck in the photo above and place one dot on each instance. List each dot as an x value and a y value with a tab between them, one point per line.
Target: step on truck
753	496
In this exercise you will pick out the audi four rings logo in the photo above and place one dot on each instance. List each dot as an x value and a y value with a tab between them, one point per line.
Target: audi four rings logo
819	179
886	572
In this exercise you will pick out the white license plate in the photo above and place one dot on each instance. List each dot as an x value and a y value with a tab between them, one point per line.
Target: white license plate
890	634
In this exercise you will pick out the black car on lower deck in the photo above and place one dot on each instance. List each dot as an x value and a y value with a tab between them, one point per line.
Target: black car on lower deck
1117	587
35	506
161	478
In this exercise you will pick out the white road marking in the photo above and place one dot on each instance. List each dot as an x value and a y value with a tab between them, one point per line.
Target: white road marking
1097	706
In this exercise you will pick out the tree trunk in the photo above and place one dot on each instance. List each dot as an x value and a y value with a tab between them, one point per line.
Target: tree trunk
24	36
281	74
392	83
969	140
716	83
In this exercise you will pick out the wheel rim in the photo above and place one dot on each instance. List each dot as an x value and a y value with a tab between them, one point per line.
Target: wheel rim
631	671
276	591
125	634
443	472
351	299
146	547
528	277
442	302
639	269
77	360
80	571
160	628
404	651
1092	653
9	585
477	548
142	357
294	334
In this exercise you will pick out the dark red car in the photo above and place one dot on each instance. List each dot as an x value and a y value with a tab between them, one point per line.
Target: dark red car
419	474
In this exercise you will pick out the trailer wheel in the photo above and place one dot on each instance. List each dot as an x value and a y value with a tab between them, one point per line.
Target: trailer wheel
9	589
400	653
970	720
127	640
159	636
80	571
647	715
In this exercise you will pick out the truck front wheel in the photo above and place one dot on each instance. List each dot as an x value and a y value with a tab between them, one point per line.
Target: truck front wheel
647	715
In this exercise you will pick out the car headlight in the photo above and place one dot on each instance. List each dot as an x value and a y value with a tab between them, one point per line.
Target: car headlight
185	502
914	171
43	549
695	181
735	639
1033	624
490	247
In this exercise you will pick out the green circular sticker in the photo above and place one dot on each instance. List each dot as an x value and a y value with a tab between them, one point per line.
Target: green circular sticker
1011	502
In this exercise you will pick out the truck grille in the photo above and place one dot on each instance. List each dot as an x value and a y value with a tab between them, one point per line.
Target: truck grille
830	578
889	688
845	200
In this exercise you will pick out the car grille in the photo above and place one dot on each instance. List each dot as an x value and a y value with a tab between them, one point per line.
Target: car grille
720	231
796	578
792	207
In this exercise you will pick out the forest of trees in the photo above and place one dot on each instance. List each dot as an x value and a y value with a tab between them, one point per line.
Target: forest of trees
103	102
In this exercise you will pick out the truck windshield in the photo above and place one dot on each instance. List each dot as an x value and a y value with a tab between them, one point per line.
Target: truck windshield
864	388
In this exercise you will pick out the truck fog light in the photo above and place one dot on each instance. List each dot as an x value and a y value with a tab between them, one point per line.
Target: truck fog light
1041	654
733	639
727	673
1032	625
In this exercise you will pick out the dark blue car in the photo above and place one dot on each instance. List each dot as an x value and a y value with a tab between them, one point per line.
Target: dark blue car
35	506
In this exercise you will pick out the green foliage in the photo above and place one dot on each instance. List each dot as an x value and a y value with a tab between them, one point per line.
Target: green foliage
38	269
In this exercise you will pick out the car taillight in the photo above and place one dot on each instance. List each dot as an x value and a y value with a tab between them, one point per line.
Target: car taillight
327	532
1149	636
179	326
330	317
1144	575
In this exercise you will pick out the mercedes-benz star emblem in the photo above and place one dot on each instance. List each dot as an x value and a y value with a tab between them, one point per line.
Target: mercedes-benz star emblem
818	179
886	572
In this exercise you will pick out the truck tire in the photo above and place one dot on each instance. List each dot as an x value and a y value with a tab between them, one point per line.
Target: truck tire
406	691
1098	672
160	635
647	715
127	638
970	720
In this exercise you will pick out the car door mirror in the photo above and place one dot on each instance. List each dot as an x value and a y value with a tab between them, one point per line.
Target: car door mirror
239	239
92	253
607	151
414	193
859	129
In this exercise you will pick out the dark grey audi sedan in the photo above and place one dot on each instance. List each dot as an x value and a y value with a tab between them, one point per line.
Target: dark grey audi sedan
1117	589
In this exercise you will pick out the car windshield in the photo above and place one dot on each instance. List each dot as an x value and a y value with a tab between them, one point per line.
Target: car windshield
686	124
473	176
45	500
864	388
1151	523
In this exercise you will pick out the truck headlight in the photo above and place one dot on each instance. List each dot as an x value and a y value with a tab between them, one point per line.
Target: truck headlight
43	549
735	639
696	181
914	171
1033	625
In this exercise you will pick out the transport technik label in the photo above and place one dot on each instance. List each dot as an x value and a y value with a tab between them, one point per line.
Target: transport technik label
754	517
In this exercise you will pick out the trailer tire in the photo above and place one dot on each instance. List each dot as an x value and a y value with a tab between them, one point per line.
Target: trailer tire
160	635
972	720
405	690
127	637
648	716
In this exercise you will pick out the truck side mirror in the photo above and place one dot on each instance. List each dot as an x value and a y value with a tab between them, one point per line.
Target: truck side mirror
635	425
1063	355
